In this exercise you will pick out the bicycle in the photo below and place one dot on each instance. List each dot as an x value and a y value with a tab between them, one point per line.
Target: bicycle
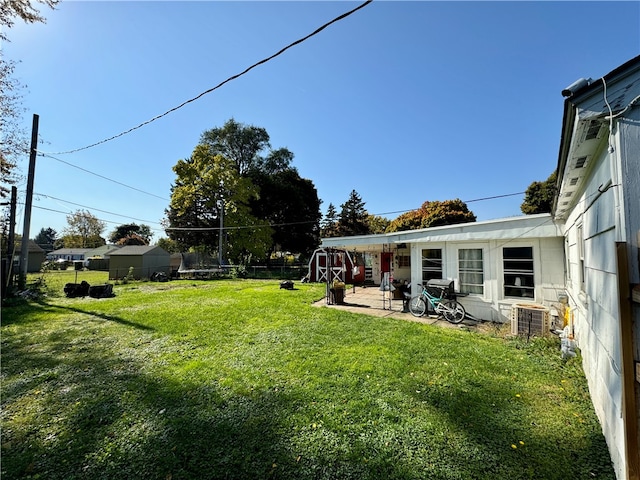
451	310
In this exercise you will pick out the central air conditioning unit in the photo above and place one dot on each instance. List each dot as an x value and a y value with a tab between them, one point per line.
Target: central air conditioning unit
530	319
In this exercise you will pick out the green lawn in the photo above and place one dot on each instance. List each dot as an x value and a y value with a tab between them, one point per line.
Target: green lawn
237	379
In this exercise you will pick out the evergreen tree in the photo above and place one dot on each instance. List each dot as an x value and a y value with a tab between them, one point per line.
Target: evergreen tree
46	238
354	219
329	227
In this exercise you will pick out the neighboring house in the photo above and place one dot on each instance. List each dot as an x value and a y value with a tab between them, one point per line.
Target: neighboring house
587	252
598	210
496	263
69	254
145	261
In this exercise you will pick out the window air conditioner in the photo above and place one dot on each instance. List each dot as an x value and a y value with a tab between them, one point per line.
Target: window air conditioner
530	319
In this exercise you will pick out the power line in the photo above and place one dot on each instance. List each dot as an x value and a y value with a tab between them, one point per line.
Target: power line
93	208
100	219
495	196
233	77
241	227
464	201
47	155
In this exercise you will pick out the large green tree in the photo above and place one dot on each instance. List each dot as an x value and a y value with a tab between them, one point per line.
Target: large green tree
433	214
84	230
539	196
131	230
288	202
243	144
378	224
353	218
209	190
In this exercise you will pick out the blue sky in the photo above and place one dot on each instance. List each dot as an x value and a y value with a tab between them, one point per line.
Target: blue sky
402	101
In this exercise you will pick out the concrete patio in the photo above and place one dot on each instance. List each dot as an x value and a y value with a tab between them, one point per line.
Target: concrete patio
372	301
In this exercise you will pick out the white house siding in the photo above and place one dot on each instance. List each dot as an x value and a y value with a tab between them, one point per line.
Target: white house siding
600	205
536	231
595	303
493	305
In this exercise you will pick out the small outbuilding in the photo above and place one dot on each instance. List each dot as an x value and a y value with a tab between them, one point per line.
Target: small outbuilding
35	256
329	264
142	260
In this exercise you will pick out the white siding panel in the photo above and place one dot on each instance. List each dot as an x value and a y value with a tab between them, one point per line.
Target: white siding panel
600	252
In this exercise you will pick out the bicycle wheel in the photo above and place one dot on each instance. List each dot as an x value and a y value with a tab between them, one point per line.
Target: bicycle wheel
453	312
417	306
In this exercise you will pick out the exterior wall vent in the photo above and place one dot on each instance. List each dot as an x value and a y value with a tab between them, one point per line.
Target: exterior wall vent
530	319
573	181
581	162
593	130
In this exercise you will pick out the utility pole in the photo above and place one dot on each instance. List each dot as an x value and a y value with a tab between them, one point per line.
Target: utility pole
24	251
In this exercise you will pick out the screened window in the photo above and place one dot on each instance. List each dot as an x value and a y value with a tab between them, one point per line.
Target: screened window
518	272
431	264
471	270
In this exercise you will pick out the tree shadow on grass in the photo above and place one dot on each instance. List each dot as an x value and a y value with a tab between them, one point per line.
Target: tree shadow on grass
83	410
29	314
90	403
502	438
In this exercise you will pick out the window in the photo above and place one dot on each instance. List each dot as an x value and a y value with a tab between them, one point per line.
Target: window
580	241
404	261
518	272
431	264
471	270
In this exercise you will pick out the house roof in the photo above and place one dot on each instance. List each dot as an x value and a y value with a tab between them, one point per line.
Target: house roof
585	126
32	247
139	250
70	251
102	251
526	226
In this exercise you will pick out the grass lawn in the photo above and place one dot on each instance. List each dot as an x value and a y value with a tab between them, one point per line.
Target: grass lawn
237	379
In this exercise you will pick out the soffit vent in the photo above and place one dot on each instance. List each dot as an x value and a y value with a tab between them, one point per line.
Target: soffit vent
593	130
581	162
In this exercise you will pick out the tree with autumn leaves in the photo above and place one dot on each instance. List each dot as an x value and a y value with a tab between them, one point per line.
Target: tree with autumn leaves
433	214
